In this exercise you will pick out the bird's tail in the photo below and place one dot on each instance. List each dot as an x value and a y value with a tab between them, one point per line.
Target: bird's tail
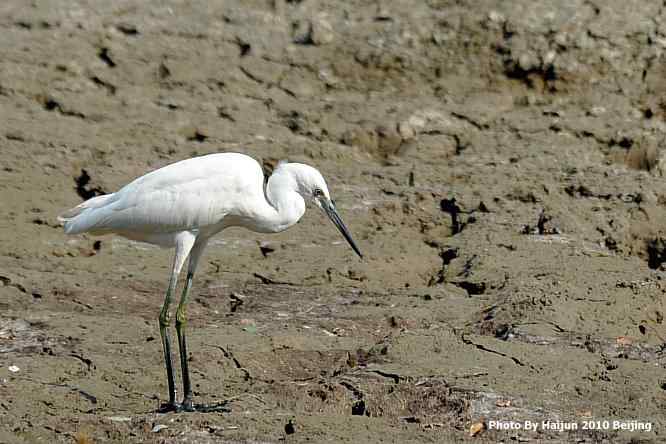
76	220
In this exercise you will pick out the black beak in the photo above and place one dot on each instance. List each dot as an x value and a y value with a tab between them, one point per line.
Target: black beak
329	208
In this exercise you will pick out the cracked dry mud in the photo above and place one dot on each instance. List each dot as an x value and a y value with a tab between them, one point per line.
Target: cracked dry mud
501	164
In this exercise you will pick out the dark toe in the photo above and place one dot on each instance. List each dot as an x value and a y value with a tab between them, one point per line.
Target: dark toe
169	407
221	407
189	406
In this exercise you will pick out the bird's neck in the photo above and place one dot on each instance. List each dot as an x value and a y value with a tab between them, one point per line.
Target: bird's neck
286	204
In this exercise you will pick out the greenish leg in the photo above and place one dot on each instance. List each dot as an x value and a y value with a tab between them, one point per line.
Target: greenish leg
181	321
195	250
184	243
165	318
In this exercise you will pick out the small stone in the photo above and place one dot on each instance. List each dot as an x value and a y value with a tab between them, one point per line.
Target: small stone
120	418
586	413
561	39
59	252
636	114
302	32
623	341
660	168
417	122
328	78
383	14
407	132
159	427
549	58
193	134
496	17
362	137
317	31
75	68
438	38
597	111
389	140
85	252
477	428
527	61
321	31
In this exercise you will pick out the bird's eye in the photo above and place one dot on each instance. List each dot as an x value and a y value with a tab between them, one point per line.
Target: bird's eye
317	192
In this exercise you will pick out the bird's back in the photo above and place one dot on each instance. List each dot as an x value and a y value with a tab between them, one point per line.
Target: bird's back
191	194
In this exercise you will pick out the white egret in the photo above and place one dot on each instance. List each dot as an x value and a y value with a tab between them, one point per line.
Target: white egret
184	204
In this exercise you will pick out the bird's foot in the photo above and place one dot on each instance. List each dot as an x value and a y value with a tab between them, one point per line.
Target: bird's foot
168	407
218	407
188	406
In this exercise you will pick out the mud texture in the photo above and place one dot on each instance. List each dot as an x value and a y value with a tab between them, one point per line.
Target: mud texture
500	163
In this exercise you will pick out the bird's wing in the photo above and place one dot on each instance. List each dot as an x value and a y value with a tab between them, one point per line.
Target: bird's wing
190	194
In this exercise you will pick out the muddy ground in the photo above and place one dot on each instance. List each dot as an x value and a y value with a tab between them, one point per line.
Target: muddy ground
500	163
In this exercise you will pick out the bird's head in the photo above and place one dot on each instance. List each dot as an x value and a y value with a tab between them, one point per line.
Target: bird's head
310	184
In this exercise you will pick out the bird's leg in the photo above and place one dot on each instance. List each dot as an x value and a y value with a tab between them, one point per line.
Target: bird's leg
184	243
181	320
165	318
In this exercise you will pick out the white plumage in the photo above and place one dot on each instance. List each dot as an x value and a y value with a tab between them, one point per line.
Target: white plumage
192	194
184	204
